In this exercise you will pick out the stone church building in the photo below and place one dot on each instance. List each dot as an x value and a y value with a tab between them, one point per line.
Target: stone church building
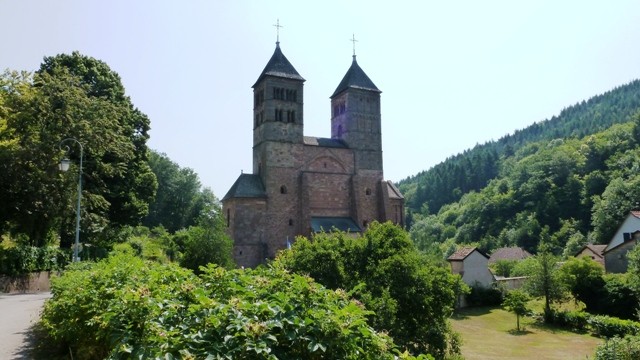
300	184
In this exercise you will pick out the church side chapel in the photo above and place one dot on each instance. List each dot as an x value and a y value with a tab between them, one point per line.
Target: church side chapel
301	185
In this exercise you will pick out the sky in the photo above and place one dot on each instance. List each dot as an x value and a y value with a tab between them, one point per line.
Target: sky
453	74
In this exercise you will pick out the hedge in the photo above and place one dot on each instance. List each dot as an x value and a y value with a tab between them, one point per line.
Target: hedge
20	260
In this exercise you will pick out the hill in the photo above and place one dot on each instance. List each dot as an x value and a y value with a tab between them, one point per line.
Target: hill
471	170
565	181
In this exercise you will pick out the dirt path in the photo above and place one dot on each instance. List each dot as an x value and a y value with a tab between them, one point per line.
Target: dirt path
18	312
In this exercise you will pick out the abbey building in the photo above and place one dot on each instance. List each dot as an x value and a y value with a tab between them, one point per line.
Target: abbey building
300	184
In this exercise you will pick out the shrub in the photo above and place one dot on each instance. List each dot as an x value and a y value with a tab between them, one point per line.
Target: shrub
627	348
23	259
485	296
503	267
608	327
411	299
573	320
124	307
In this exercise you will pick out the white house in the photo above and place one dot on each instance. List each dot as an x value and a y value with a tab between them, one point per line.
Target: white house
625	239
472	265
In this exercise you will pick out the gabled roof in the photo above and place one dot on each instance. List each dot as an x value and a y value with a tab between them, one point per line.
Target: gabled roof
509	253
619	245
393	191
247	186
463	252
279	66
596	249
355	78
326	223
324	142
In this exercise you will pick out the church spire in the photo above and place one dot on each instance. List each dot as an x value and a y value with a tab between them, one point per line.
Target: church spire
355	77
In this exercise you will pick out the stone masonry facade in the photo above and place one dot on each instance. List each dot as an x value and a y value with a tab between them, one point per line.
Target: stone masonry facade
300	184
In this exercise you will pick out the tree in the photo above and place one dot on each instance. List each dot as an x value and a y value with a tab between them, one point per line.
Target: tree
634	270
516	302
206	243
544	280
180	199
583	277
79	97
410	298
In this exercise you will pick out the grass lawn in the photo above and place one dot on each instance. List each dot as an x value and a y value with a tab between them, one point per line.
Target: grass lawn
489	334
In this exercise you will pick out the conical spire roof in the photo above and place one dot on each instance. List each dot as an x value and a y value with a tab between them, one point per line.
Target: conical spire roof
279	66
355	78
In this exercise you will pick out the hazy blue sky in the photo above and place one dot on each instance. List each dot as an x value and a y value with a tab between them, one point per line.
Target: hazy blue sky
453	73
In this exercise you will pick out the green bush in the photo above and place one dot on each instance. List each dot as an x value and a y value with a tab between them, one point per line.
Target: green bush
23	259
485	296
124	307
411	299
627	348
608	327
573	320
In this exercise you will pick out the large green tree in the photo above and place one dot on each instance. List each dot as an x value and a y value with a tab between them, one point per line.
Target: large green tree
180	199
72	96
411	299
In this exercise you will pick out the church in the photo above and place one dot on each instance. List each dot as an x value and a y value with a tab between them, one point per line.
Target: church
301	185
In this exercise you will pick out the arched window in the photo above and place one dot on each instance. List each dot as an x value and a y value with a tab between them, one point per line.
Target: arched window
367	191
290	222
283	189
228	217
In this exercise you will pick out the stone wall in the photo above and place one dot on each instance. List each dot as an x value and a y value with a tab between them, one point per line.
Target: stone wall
30	283
616	260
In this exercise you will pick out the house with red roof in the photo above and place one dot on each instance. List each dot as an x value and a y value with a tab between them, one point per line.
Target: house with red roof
472	265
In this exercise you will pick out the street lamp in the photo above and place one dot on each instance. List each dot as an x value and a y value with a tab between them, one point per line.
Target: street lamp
64	166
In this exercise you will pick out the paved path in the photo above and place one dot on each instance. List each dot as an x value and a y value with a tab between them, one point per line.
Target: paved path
18	312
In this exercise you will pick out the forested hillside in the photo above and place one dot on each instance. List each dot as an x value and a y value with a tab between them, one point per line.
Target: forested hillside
472	170
563	191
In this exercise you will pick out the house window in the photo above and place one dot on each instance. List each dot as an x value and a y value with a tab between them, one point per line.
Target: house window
228	217
290	222
365	223
367	191
283	189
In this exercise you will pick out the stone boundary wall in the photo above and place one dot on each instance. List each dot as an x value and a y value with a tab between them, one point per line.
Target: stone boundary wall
29	283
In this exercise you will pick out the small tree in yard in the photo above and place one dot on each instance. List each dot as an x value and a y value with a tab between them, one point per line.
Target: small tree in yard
516	302
544	280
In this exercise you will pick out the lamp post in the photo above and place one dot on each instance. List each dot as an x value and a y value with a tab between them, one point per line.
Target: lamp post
64	166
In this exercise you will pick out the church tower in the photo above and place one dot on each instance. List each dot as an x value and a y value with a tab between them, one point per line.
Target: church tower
277	108
356	119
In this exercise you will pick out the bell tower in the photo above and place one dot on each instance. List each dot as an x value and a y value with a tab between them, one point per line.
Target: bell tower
356	118
277	108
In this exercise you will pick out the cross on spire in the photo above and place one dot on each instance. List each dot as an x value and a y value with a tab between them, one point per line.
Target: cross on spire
354	41
278	26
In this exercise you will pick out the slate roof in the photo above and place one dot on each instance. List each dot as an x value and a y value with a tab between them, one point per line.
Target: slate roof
324	142
279	66
596	249
463	252
394	193
509	253
247	186
355	78
326	223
